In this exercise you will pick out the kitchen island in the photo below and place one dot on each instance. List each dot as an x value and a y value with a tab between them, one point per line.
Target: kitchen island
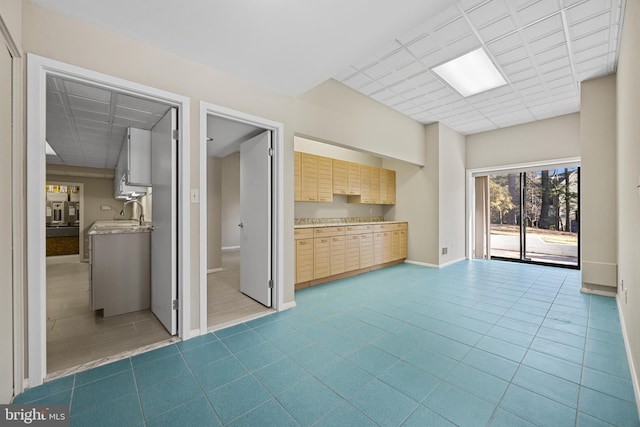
119	267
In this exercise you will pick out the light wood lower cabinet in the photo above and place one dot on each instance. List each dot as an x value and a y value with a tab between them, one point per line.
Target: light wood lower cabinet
326	252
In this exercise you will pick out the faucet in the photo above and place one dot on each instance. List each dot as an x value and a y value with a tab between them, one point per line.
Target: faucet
141	219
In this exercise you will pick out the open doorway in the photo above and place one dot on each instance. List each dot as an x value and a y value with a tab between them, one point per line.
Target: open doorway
242	219
94	124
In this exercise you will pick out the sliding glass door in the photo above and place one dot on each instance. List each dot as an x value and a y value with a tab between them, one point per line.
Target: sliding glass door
534	216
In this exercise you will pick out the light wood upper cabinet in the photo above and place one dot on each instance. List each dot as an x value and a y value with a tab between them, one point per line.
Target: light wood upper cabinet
318	178
339	177
309	177
375	185
353	178
387	187
297	176
325	179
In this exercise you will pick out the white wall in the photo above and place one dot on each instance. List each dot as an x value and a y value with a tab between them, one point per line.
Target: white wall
230	166
319	148
628	167
597	184
555	138
451	194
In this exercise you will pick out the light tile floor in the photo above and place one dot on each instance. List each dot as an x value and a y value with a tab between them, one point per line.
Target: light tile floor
473	344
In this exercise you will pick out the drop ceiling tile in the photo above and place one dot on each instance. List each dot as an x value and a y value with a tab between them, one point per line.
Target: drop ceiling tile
142	104
591	25
513	55
377	70
452	31
79	103
402	87
548	42
589	40
383	51
533	97
587	10
343	75
435	58
92	124
515	67
129	122
370	88
543	28
467	5
556	74
597	62
56	109
410	70
87	91
596	51
423	46
54	97
383	95
357	80
414	93
555	65
423	79
463	45
553	84
390	79
537	10
488	12
510	42
90	115
559	51
146	117
525	84
497	29
398	59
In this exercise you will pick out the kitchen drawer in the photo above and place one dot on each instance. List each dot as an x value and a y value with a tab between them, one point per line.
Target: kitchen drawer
359	229
328	231
303	233
384	227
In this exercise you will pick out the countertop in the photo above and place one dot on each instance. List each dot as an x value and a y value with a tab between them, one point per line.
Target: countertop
345	224
118	227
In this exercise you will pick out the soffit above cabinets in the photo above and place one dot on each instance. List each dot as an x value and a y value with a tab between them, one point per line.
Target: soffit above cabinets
544	49
86	124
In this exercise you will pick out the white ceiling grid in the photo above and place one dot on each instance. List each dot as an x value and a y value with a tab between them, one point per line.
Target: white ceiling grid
544	48
86	124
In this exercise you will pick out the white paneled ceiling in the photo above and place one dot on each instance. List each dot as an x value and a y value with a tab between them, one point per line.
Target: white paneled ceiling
544	49
386	50
86	124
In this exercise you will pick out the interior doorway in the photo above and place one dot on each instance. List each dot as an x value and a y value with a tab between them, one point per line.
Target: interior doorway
243	216
84	98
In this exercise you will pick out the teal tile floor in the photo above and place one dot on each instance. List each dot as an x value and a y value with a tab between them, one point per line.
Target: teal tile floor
478	343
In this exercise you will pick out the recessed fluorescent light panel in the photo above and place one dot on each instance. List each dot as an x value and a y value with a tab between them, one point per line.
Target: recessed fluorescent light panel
49	150
471	73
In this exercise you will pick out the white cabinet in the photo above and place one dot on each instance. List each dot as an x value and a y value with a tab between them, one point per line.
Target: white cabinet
133	171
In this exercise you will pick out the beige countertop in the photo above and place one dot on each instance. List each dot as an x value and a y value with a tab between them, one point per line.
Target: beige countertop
118	227
345	224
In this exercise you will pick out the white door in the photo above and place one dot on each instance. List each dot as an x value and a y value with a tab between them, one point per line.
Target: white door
164	213
6	252
255	218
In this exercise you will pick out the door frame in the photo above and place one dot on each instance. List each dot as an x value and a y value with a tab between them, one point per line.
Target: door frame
38	68
485	171
277	220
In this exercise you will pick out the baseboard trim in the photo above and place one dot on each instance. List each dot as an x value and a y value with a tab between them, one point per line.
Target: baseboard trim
287	306
632	370
214	270
424	264
230	248
605	291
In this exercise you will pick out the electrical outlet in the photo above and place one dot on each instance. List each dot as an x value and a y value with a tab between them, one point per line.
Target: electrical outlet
445	251
105	208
